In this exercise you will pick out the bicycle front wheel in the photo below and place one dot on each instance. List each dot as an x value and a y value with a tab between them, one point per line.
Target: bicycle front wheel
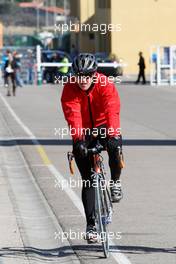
101	217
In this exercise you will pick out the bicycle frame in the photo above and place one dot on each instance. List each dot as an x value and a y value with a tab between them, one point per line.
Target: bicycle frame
103	204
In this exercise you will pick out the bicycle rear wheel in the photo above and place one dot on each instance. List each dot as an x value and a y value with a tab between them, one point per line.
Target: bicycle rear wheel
101	216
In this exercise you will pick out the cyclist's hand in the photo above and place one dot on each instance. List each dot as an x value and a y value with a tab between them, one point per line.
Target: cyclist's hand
114	143
81	148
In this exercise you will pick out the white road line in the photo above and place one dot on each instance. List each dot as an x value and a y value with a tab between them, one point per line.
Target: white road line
117	255
26	138
23	166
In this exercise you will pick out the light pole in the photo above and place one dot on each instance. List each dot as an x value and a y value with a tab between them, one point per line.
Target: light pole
46	14
54	5
38	19
65	7
40	3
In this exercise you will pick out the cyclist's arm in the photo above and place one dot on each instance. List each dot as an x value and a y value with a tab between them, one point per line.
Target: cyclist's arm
72	112
111	106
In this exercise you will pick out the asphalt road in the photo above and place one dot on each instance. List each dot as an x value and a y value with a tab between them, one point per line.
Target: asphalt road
38	205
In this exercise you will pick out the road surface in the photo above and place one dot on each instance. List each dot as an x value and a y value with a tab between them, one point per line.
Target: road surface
42	217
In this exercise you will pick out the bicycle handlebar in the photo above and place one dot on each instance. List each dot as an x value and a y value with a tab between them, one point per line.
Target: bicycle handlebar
97	149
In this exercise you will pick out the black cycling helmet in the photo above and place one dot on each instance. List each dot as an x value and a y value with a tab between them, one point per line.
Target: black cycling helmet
84	64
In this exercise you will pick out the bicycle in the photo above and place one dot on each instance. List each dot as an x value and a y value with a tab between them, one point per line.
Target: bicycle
103	204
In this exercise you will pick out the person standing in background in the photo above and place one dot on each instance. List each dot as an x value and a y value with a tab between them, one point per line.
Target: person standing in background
17	58
62	71
141	65
9	74
4	60
73	52
30	67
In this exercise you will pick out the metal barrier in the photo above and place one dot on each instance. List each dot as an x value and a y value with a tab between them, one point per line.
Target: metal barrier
41	64
163	65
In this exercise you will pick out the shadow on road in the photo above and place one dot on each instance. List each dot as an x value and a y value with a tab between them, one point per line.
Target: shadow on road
142	250
67	142
33	253
49	255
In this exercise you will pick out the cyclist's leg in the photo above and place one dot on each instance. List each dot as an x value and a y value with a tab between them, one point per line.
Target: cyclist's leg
88	191
114	165
115	168
114	161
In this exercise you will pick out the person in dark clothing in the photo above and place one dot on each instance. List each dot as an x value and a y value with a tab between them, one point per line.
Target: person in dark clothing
73	52
17	59
141	64
30	66
54	74
9	73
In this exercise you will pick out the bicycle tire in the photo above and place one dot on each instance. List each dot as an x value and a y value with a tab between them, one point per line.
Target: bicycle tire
101	215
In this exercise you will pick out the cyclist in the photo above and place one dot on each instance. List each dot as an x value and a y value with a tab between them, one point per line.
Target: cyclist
90	105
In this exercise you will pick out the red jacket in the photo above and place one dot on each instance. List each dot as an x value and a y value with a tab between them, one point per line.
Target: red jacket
100	105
